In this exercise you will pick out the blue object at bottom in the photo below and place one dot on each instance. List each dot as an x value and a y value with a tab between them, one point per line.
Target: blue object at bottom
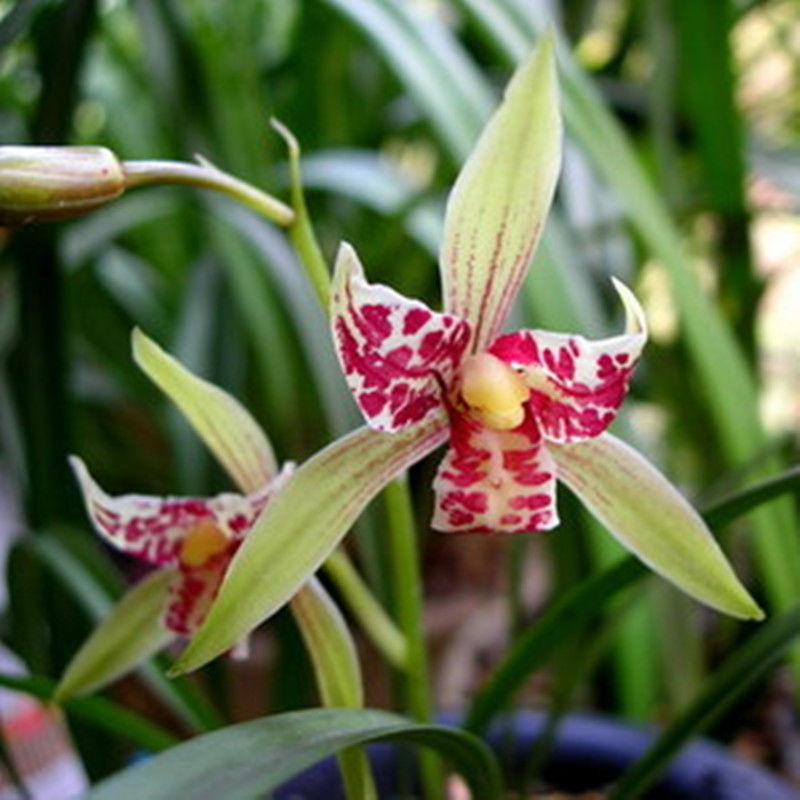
589	752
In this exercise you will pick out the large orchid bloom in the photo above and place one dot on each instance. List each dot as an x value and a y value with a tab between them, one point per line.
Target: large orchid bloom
518	409
507	400
195	537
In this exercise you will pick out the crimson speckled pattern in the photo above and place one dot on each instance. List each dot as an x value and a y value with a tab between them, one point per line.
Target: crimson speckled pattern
494	480
396	353
153	529
402	361
577	385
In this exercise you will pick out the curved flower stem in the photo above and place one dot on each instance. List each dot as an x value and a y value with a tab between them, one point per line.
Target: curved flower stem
407	591
301	230
206	176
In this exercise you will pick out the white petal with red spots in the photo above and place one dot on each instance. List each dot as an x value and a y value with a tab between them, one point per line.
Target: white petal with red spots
491	480
153	528
396	353
577	385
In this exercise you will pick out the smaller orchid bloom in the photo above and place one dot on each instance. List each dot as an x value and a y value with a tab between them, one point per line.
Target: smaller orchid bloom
191	541
196	537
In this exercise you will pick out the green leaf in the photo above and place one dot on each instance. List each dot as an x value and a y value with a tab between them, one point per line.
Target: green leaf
497	207
130	634
247	760
530	650
745	667
400	45
739	503
652	519
300	527
221	421
586	601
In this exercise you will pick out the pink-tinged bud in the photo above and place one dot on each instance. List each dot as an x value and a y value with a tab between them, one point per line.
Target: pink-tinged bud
39	184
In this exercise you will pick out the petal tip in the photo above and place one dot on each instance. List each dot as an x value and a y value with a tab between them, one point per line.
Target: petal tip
635	319
86	482
139	341
346	268
748	609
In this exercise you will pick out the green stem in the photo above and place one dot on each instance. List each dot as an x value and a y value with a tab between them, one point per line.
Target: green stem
301	231
370	614
407	582
407	590
206	176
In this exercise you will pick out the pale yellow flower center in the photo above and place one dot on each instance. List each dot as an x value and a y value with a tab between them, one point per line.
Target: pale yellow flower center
494	391
204	541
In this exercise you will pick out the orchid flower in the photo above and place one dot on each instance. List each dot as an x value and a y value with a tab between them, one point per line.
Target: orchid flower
507	402
189	540
518	409
196	537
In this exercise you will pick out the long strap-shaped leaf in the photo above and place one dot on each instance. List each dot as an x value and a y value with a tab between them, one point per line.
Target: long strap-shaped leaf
586	601
250	759
732	680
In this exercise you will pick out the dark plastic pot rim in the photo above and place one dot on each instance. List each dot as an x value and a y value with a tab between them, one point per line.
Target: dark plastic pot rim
589	752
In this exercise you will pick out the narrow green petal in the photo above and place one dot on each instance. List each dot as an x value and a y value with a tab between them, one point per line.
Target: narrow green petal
229	431
330	646
130	634
337	672
651	518
498	206
300	528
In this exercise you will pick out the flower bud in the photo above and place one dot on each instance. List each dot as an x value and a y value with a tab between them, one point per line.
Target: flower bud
38	184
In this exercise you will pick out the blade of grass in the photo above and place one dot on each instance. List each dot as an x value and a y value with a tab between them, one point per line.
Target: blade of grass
740	671
417	70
